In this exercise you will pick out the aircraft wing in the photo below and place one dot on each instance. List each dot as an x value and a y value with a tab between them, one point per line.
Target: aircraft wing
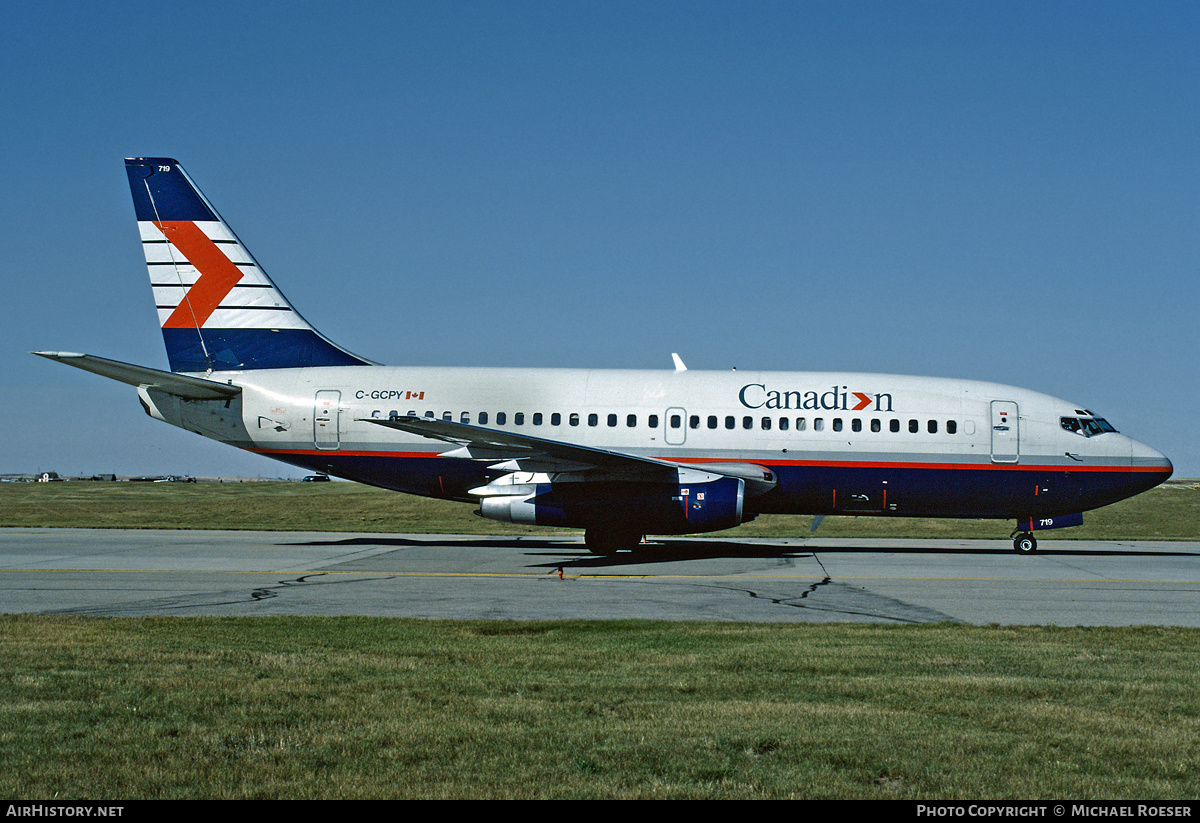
520	452
190	388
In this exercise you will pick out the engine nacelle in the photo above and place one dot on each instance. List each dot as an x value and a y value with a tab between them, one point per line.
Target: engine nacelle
524	508
700	502
713	505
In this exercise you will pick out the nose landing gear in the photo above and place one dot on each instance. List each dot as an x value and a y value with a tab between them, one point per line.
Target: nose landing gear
1024	543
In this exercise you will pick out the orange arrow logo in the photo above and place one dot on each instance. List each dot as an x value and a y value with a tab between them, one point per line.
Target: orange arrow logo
217	278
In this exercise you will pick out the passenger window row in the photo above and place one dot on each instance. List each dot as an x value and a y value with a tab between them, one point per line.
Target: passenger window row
675	421
836	424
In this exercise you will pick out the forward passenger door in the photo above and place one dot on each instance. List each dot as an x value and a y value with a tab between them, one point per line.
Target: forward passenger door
1005	432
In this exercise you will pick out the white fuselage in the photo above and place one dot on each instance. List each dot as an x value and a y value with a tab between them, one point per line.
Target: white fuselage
888	444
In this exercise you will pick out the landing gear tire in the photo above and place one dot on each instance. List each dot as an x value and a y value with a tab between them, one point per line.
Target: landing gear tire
607	542
1024	543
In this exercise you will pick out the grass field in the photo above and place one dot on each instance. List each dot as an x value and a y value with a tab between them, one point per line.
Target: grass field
362	707
1170	512
308	707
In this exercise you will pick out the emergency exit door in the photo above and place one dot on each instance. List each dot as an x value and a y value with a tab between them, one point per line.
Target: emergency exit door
675	431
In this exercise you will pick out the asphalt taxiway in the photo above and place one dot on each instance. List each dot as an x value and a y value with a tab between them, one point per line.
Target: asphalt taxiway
150	572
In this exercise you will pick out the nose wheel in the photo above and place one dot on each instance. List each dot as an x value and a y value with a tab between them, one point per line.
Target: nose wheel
1024	543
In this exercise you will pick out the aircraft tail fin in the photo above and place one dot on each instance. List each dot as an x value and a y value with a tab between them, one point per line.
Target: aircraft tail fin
218	309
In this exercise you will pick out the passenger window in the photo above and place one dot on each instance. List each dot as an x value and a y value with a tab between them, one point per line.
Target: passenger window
766	424
783	424
914	426
612	420
429	415
747	422
712	421
676	421
556	419
519	419
894	425
393	414
837	424
448	417
501	418
856	425
593	419
933	427
801	424
875	425
630	420
537	418
465	417
730	422
951	427
483	418
818	424
694	421
652	421
573	419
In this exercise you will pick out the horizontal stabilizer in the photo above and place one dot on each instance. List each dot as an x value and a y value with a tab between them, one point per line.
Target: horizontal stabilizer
189	388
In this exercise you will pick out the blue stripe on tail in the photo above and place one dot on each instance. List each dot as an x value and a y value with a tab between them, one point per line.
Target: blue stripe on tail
238	349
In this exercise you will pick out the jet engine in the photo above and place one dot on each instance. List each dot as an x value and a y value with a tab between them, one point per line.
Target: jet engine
697	501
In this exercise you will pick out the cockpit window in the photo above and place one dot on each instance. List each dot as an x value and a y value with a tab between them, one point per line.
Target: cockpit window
1086	426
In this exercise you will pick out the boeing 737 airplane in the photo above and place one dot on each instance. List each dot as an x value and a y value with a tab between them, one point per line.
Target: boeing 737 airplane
618	453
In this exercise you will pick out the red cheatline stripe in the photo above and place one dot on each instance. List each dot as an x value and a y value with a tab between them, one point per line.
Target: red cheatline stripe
217	278
342	452
881	464
839	464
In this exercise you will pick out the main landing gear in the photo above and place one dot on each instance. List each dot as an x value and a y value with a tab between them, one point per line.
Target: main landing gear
1024	543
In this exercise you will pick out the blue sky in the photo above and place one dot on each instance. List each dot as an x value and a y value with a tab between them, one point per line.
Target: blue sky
1000	191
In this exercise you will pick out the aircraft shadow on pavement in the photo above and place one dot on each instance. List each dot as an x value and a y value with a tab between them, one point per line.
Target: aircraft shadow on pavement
570	551
681	551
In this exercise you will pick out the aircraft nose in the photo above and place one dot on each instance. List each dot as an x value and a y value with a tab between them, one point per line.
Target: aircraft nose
1145	457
